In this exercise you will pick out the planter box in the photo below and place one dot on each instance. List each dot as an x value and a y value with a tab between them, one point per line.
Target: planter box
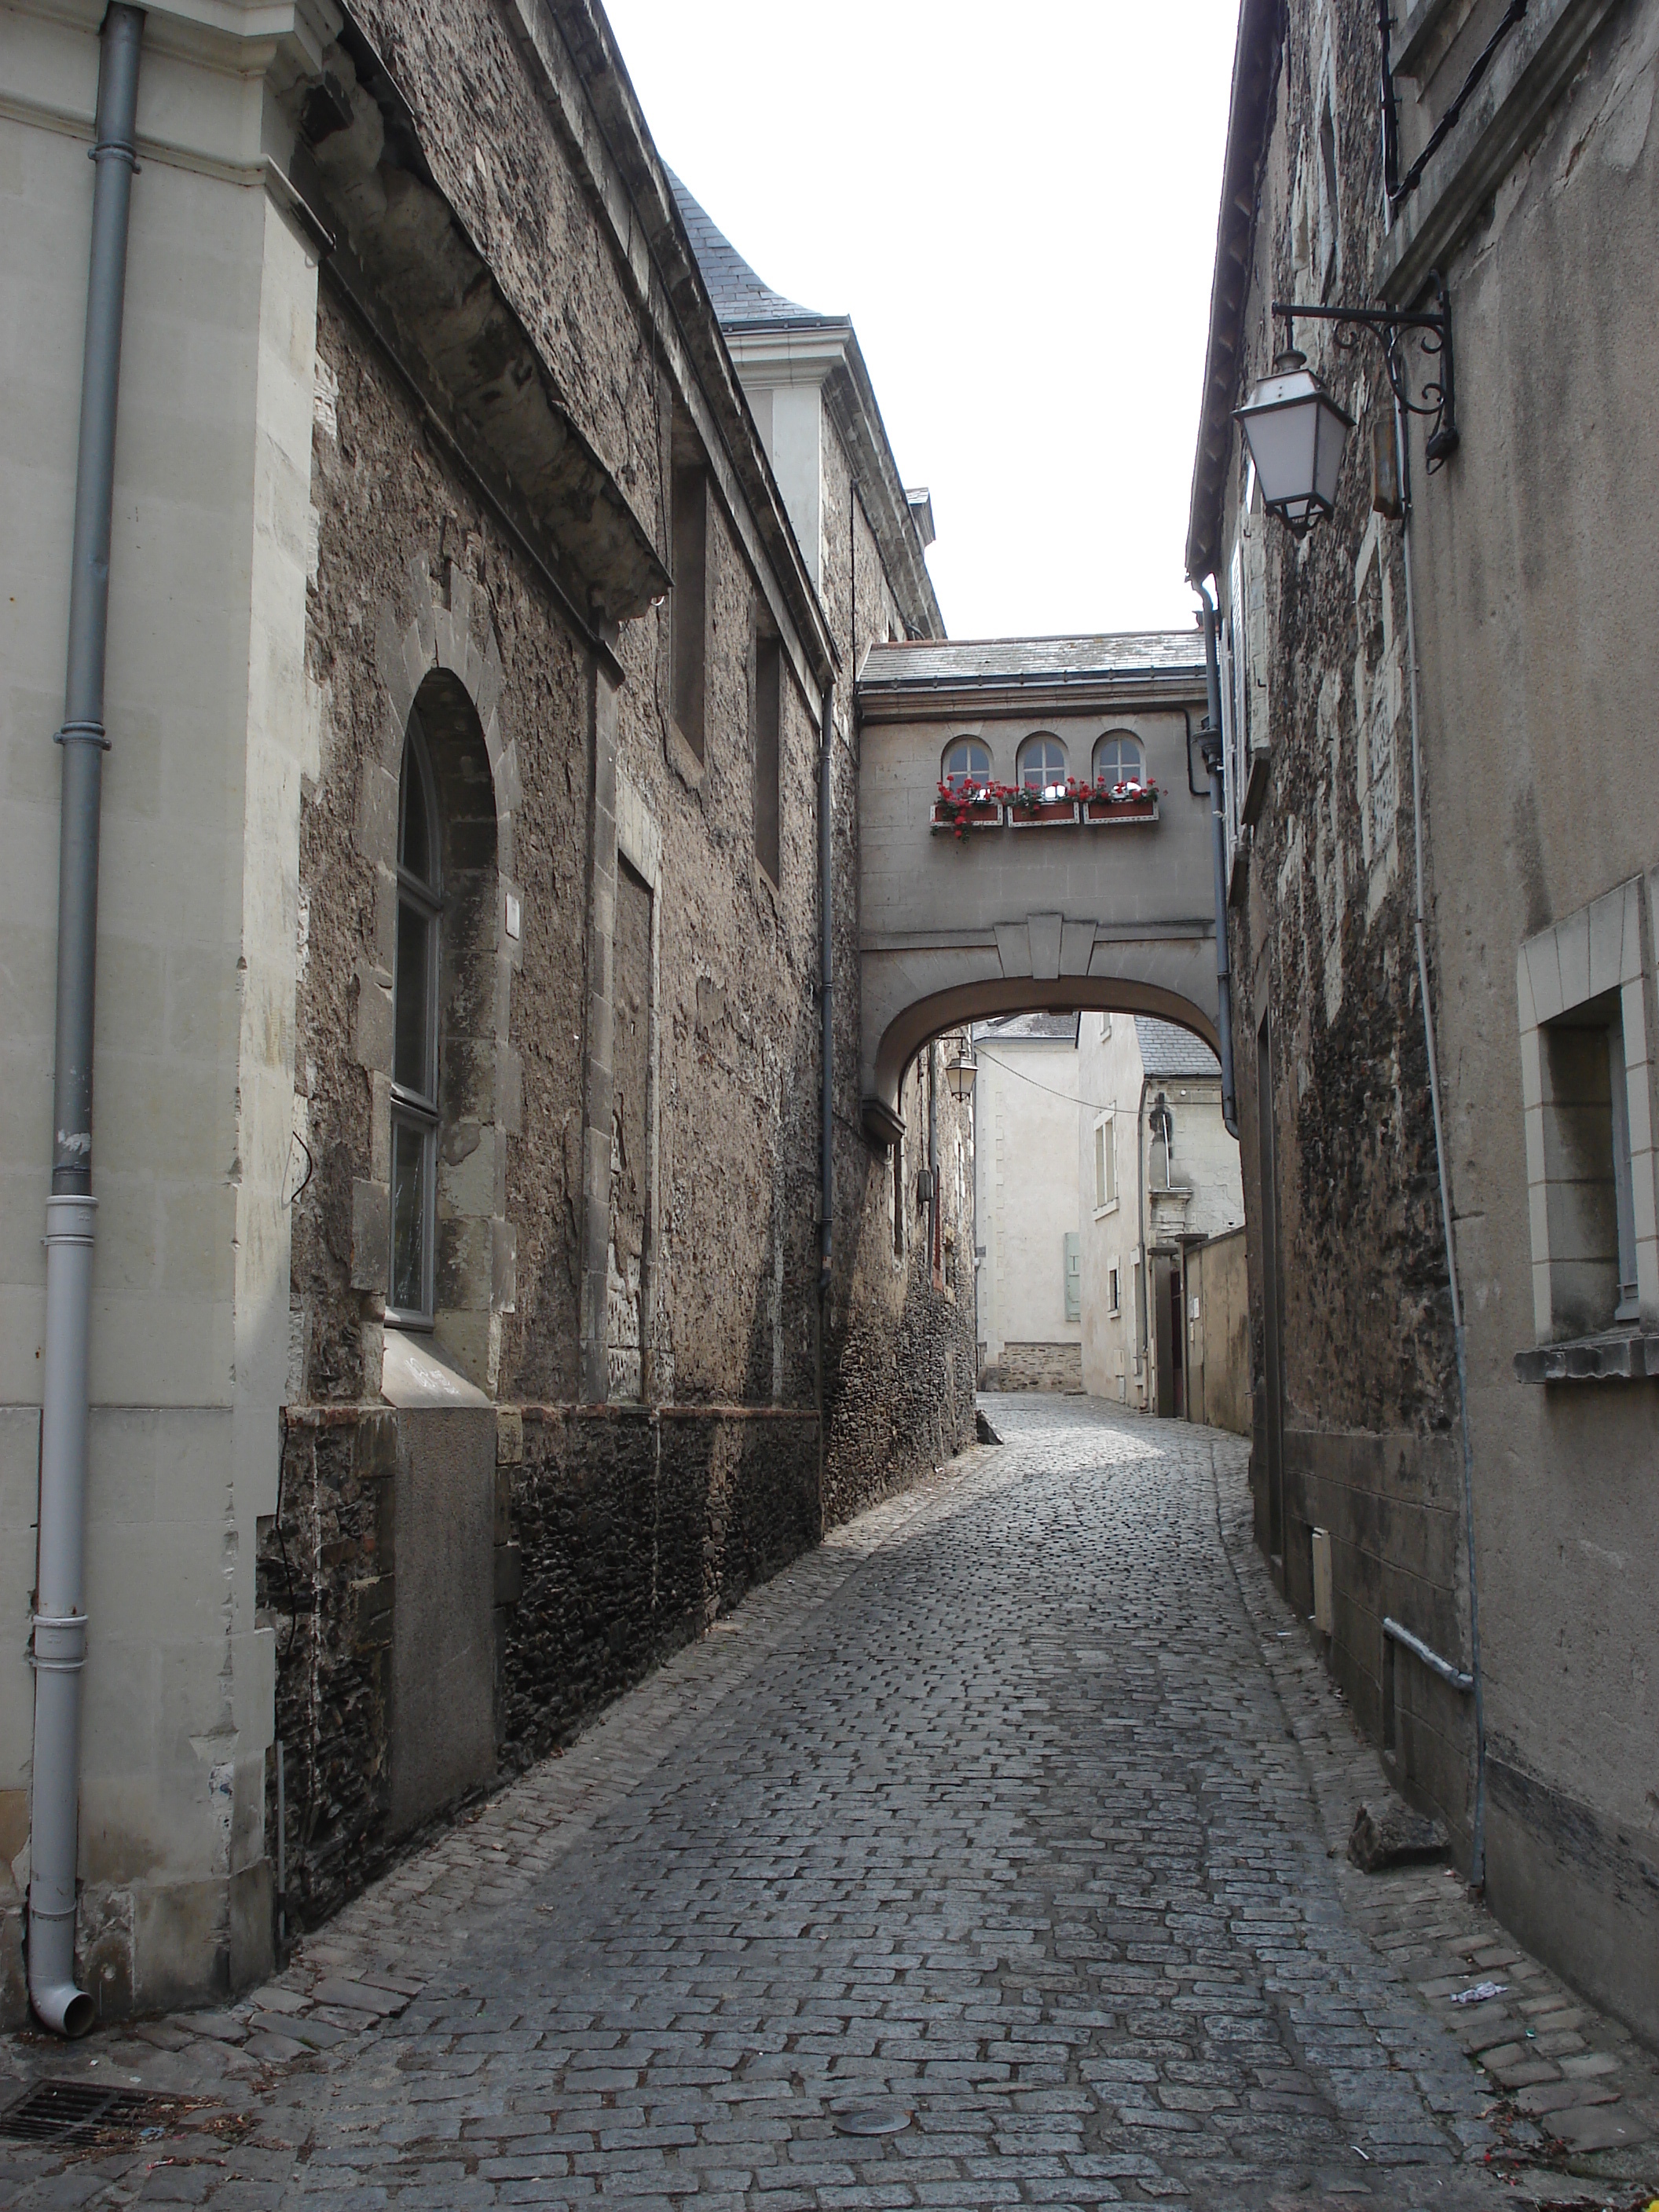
1049	815
1109	811
984	814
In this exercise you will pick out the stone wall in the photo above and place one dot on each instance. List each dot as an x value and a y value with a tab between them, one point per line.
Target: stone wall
1219	1336
1035	1367
627	1182
1532	571
1329	1041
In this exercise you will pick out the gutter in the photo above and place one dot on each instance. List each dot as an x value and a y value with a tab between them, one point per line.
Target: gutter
1255	74
60	1621
1209	740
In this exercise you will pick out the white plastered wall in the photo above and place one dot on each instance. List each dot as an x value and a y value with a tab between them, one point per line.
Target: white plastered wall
1026	1141
196	934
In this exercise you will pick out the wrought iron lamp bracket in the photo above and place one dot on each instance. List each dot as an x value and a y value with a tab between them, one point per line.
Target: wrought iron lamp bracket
1431	326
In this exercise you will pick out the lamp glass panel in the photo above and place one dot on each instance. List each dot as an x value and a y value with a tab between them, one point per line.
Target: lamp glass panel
1332	438
1282	445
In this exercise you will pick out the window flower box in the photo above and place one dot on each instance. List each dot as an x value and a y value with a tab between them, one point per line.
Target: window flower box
956	812
1044	814
1122	802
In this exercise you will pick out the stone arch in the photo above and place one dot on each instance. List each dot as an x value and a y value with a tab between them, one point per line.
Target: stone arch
917	1024
438	663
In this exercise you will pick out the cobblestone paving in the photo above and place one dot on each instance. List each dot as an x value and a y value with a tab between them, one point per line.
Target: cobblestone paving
986	1857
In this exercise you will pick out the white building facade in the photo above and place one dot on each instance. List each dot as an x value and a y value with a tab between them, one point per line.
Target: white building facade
1025	1110
1157	1174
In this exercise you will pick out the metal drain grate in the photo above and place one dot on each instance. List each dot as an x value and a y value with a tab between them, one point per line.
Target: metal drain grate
82	2111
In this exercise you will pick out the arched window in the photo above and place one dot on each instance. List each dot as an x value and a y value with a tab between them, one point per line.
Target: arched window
414	1038
1042	765
1119	759
967	763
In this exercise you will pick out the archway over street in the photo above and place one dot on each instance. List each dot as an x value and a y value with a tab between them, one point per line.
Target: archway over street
1060	902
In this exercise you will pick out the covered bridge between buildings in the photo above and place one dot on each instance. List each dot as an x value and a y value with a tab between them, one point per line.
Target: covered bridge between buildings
1075	903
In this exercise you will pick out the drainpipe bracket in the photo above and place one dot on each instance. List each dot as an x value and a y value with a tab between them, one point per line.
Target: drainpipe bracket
59	1643
83	733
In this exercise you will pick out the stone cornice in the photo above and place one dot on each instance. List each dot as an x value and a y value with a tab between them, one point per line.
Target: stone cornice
1026	697
569	46
1532	67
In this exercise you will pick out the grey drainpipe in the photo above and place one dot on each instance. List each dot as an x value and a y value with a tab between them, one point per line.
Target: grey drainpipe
827	993
1460	1341
1210	737
60	1621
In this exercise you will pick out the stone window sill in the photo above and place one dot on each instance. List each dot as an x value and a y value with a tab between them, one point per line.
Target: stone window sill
1619	1355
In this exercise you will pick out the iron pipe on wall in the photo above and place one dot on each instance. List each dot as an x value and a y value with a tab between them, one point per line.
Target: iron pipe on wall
60	1621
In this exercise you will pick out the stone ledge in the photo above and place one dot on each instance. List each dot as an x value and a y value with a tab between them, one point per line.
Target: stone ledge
1618	1356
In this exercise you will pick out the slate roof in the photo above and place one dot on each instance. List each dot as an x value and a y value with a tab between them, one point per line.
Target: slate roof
933	660
741	299
1167	1050
1004	1026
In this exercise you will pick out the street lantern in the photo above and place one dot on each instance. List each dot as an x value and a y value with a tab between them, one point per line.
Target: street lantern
1296	433
959	1072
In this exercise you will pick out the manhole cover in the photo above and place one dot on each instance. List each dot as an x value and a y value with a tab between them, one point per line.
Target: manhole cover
79	2112
876	2120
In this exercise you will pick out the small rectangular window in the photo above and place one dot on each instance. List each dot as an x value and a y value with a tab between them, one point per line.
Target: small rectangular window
1111	1290
1591	1214
1073	1261
688	606
1105	1163
769	713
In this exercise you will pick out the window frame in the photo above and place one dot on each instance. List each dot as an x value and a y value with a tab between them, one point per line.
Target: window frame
1591	962
1044	780
415	1111
767	794
967	778
687	604
1106	1158
1119	737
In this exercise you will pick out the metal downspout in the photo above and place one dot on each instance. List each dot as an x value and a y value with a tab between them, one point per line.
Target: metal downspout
1211	736
1477	1841
60	1621
827	994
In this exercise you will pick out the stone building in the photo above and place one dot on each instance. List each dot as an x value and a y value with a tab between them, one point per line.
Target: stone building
1029	1287
467	1323
1443	889
1157	1176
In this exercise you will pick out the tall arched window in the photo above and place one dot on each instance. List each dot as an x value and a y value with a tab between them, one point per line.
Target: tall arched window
1043	764
415	1039
967	763
1119	759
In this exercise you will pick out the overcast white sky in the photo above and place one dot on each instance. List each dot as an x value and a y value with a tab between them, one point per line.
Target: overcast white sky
1017	206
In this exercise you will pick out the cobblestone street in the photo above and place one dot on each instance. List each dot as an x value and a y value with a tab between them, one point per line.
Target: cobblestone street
987	1857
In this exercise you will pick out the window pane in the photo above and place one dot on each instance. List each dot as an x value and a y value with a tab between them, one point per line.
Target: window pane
1043	762
410	1209
967	762
414	830
1118	760
412	1000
